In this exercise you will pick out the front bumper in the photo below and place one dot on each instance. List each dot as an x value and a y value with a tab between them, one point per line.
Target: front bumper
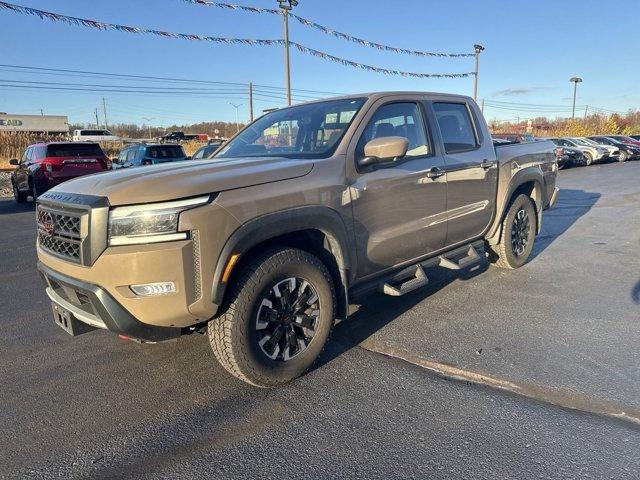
92	305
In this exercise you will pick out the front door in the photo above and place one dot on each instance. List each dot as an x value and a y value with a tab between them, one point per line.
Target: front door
471	171
399	207
22	171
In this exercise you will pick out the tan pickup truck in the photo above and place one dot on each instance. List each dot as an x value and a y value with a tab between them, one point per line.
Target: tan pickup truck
263	245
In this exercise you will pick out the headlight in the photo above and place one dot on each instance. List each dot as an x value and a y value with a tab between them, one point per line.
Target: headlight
156	222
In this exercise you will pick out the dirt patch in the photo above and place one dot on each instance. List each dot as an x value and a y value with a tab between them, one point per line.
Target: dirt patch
5	185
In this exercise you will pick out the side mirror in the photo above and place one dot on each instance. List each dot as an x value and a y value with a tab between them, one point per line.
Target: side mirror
383	150
115	160
14	161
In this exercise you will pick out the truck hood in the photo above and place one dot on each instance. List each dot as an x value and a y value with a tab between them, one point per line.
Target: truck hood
157	183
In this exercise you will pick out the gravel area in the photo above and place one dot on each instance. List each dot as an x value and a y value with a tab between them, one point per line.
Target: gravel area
5	184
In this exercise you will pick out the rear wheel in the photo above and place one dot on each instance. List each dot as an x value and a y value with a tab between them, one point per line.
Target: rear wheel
518	234
19	196
278	318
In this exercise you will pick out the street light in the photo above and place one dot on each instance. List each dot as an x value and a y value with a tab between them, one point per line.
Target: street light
478	49
576	81
286	6
237	121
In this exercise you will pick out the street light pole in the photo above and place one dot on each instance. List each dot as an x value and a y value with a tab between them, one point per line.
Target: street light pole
237	120
478	49
286	6
576	81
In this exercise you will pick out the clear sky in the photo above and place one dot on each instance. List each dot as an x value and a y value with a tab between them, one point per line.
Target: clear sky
532	49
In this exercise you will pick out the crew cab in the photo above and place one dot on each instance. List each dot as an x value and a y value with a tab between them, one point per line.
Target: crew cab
304	210
45	165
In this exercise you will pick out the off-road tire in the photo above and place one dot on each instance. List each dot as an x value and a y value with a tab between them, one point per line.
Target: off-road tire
233	336
19	196
503	255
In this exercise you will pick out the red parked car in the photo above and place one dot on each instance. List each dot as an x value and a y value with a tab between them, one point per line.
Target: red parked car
45	165
626	139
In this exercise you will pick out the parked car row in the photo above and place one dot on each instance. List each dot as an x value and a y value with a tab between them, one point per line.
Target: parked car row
45	165
581	151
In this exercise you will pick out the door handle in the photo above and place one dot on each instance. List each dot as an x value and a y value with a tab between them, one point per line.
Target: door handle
435	172
486	164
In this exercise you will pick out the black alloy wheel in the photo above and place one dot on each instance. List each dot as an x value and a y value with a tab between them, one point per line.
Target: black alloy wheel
287	318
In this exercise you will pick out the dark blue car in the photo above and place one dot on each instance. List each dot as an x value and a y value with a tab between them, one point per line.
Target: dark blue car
142	154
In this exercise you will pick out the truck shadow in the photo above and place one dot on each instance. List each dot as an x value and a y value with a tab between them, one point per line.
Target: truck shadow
9	205
571	205
380	310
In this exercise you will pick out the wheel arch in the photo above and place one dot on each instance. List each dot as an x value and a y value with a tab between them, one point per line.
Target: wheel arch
316	229
528	182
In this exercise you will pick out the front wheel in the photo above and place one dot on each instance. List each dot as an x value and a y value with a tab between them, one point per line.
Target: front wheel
19	196
588	159
623	157
518	234
278	318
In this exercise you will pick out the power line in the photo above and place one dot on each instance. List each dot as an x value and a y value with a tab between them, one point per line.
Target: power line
156	78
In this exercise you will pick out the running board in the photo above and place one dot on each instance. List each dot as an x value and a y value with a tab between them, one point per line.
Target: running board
420	279
472	257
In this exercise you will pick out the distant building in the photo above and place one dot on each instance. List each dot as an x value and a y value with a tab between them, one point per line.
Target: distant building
34	123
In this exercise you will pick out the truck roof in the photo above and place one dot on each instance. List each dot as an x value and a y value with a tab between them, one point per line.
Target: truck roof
391	93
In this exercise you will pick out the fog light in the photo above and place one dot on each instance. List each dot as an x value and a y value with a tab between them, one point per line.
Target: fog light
153	289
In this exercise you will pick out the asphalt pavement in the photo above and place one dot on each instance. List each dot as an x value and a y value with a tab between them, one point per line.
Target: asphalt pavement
533	373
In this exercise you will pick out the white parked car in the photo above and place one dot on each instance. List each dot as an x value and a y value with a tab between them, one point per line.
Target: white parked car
94	136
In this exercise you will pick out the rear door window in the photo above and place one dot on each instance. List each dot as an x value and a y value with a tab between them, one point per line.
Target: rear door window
456	127
165	151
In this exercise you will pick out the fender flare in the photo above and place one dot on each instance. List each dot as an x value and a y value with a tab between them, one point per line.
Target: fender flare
526	175
325	219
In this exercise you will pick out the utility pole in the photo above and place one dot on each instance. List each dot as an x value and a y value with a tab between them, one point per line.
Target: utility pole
237	120
576	81
104	109
586	109
148	120
478	50
482	108
250	102
286	6
97	121
41	112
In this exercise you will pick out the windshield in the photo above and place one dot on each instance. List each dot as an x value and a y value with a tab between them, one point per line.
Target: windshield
580	141
588	141
305	131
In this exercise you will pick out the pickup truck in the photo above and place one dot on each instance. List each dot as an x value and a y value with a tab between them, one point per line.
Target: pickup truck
264	245
184	137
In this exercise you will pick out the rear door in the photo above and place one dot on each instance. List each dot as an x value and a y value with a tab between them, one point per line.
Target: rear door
471	166
398	209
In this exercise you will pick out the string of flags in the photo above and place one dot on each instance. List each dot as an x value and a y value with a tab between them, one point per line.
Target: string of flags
83	22
329	31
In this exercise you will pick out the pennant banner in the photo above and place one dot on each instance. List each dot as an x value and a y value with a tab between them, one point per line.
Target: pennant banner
83	22
329	31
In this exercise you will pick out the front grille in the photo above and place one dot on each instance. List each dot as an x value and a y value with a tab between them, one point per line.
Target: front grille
59	233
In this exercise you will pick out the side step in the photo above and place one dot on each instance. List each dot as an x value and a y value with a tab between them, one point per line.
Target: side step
470	258
419	280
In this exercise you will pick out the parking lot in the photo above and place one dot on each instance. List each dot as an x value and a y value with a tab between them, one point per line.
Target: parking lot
531	373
